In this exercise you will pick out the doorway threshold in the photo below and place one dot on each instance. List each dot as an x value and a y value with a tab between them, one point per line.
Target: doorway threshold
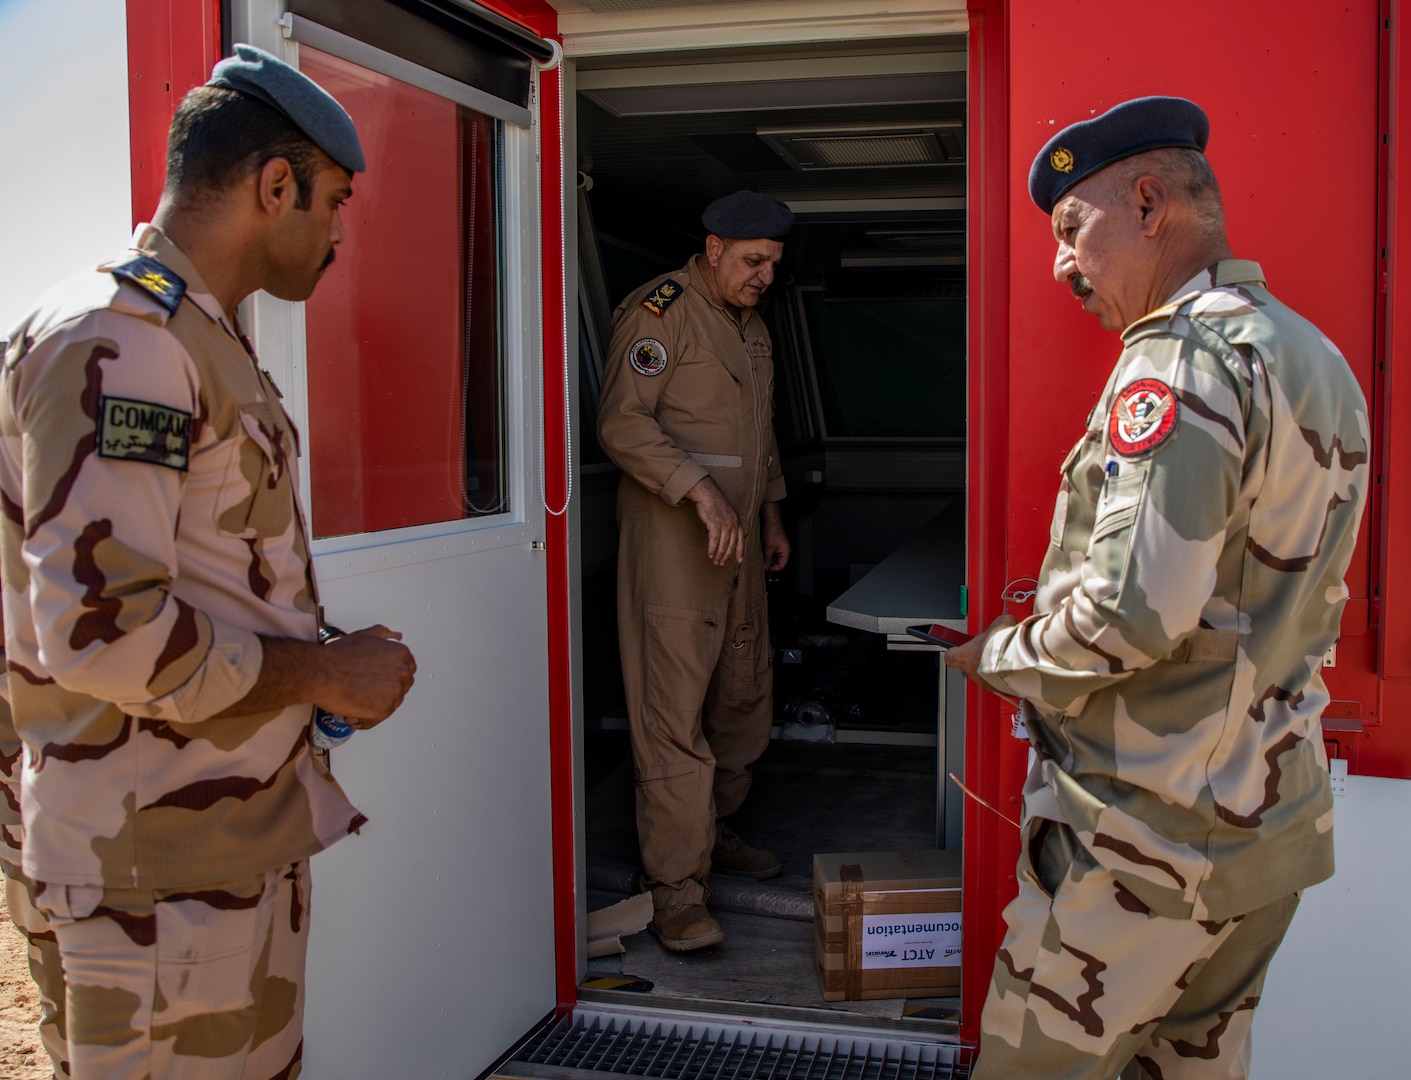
607	1035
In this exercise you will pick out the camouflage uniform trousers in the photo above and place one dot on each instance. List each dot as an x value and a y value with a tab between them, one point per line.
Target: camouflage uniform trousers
44	965
1089	983
201	983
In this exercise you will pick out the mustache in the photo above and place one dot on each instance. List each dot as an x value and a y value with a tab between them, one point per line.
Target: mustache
328	259
1080	286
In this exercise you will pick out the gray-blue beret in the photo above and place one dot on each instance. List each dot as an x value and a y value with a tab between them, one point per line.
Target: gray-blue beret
308	106
1133	127
748	215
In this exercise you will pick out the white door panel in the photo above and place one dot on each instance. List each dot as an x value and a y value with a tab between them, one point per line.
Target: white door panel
432	944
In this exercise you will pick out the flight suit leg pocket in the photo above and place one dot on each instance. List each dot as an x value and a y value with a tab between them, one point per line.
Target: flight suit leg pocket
681	647
745	672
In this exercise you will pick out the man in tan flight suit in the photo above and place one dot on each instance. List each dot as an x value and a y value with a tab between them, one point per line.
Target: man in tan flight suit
1178	798
687	414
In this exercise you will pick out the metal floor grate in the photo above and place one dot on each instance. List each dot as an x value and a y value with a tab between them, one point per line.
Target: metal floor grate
685	1048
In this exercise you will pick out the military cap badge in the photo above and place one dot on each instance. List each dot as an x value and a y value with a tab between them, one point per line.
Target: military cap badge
1143	415
647	356
1061	159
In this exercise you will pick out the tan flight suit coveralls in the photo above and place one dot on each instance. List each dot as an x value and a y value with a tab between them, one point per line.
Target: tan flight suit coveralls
688	393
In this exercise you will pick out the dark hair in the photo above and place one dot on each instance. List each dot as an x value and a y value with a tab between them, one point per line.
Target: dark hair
219	136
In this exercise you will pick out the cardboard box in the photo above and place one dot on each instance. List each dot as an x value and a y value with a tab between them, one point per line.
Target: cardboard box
886	924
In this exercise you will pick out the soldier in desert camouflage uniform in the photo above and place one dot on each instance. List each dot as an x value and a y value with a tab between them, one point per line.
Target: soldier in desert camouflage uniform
160	608
1178	797
43	948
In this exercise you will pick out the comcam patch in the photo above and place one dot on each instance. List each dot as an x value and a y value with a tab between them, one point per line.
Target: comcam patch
662	297
163	285
141	431
1143	415
647	356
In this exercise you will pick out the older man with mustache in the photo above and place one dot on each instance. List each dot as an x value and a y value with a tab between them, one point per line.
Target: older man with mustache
1178	797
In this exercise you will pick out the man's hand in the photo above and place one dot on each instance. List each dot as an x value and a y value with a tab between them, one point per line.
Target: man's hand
369	673
967	657
772	535
361	676
724	533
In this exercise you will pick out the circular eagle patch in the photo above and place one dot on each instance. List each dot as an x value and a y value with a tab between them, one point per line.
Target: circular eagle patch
647	356
1061	160
1143	414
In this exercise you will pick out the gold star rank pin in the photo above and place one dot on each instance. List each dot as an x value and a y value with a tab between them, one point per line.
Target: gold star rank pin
157	281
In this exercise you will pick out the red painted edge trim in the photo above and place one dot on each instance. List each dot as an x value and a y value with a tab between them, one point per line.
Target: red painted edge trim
988	854
561	764
1391	505
171	47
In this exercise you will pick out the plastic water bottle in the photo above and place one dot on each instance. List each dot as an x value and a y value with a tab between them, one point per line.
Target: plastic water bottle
329	729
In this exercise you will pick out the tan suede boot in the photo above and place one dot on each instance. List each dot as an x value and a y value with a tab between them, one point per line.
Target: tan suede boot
683	927
733	856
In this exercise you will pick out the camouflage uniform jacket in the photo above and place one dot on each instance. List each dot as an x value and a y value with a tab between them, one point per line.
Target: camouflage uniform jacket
11	823
688	392
1193	582
150	531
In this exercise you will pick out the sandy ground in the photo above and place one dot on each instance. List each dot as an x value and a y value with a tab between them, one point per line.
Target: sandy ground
21	1056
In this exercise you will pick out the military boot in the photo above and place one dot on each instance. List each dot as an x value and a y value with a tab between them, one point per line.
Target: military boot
733	856
683	927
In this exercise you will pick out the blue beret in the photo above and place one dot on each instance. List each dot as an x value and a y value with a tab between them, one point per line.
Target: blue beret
302	101
748	215
1133	127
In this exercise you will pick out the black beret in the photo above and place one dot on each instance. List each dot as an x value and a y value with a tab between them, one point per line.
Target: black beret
302	101
748	215
1133	127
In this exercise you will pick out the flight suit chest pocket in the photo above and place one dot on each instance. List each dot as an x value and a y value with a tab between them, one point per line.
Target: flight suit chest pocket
257	498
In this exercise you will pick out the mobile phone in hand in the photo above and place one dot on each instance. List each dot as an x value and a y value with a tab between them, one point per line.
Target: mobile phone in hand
940	635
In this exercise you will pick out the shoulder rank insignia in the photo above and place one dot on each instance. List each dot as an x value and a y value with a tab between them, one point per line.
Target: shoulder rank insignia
1143	414
163	285
662	297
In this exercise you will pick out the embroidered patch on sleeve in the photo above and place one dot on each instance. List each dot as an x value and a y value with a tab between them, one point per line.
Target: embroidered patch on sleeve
141	431
1143	415
647	356
662	297
163	285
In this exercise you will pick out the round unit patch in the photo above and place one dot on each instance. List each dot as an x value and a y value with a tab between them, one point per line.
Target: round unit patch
647	356
1142	416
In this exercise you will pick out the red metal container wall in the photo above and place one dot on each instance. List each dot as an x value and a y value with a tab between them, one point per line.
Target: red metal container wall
1293	103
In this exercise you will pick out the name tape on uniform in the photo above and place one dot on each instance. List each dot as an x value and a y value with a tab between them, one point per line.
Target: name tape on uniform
142	431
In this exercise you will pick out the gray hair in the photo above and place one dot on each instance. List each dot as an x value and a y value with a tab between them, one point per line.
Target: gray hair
1184	171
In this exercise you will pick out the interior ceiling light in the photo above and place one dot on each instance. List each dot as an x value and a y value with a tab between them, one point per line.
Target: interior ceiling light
872	147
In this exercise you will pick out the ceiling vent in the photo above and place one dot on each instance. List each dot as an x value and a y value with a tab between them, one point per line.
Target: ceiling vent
877	147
